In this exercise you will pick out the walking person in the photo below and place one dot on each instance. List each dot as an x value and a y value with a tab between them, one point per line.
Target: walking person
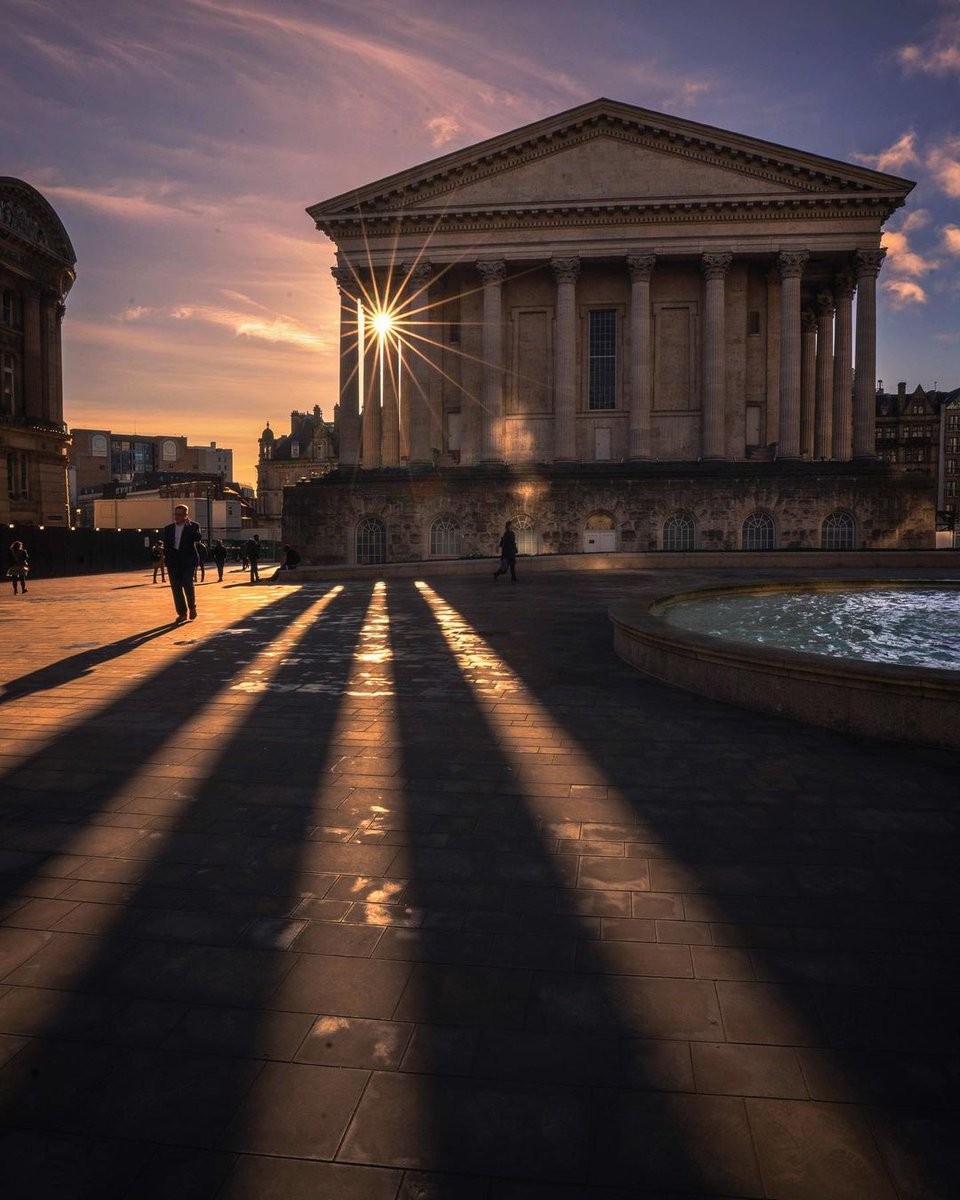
159	564
219	556
180	550
19	566
508	554
252	553
201	560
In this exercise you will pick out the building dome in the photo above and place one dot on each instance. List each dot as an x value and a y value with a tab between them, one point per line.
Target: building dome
267	435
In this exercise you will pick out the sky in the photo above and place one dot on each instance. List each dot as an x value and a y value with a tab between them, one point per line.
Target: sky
181	142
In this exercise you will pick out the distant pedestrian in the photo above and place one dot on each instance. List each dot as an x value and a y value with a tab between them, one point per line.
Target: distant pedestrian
19	566
180	550
201	559
242	557
508	554
291	559
252	550
219	556
159	563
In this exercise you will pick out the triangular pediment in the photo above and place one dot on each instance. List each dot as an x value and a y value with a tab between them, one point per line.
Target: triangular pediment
607	152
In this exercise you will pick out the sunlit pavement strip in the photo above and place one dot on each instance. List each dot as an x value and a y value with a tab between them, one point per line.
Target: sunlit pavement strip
410	889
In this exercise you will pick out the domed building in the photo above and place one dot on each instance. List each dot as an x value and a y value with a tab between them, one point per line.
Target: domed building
37	270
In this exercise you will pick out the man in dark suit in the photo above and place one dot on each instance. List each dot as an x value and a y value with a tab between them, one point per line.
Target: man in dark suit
180	550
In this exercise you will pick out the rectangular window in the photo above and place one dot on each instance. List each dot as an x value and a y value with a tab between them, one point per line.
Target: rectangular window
603	359
454	333
753	322
9	399
10	313
18	478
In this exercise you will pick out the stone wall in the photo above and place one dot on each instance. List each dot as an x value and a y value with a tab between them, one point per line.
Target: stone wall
891	509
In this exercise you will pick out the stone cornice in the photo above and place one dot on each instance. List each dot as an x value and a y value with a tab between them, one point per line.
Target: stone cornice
604	213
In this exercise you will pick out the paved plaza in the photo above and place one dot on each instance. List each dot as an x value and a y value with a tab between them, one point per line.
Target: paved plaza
412	890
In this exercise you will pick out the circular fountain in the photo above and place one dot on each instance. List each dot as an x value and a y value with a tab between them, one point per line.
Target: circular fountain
879	658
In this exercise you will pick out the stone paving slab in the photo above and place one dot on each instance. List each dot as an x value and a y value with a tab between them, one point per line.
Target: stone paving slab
412	889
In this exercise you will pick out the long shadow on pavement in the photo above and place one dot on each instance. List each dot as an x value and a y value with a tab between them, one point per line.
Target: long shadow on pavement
152	1063
816	880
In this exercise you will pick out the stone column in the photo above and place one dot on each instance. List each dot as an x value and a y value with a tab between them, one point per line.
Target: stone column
869	263
493	275
371	430
791	265
842	433
773	357
566	272
349	425
390	401
641	355
418	357
823	404
713	437
808	379
32	355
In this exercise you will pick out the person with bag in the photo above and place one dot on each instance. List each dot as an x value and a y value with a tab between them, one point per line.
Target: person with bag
508	554
159	565
19	566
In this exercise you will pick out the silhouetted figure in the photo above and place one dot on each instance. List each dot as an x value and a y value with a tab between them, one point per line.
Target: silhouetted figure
252	550
508	554
19	566
180	550
291	559
219	556
159	563
201	560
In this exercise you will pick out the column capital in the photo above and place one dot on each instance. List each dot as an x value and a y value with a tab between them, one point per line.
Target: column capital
869	262
492	271
343	277
418	273
792	262
844	285
715	266
808	320
641	266
566	270
826	306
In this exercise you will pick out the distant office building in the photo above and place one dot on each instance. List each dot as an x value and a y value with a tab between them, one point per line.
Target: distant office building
37	270
949	476
308	451
99	456
908	427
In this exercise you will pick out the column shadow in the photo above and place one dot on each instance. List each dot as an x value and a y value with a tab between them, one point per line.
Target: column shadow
815	875
157	1053
527	1062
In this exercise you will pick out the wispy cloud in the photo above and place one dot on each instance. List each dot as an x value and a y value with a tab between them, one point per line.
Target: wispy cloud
901	259
136	207
939	52
918	219
901	154
943	161
443	130
951	238
904	293
275	329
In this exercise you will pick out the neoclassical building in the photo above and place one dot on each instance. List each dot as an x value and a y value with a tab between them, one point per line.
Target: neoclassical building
614	310
37	270
308	451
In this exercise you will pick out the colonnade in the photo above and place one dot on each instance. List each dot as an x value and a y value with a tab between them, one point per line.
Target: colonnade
823	412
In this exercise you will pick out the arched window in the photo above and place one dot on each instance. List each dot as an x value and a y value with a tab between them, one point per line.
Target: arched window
601	520
371	540
837	532
679	532
759	532
446	540
526	532
599	534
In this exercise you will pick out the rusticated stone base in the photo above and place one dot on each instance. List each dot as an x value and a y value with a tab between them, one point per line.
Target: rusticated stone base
891	509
